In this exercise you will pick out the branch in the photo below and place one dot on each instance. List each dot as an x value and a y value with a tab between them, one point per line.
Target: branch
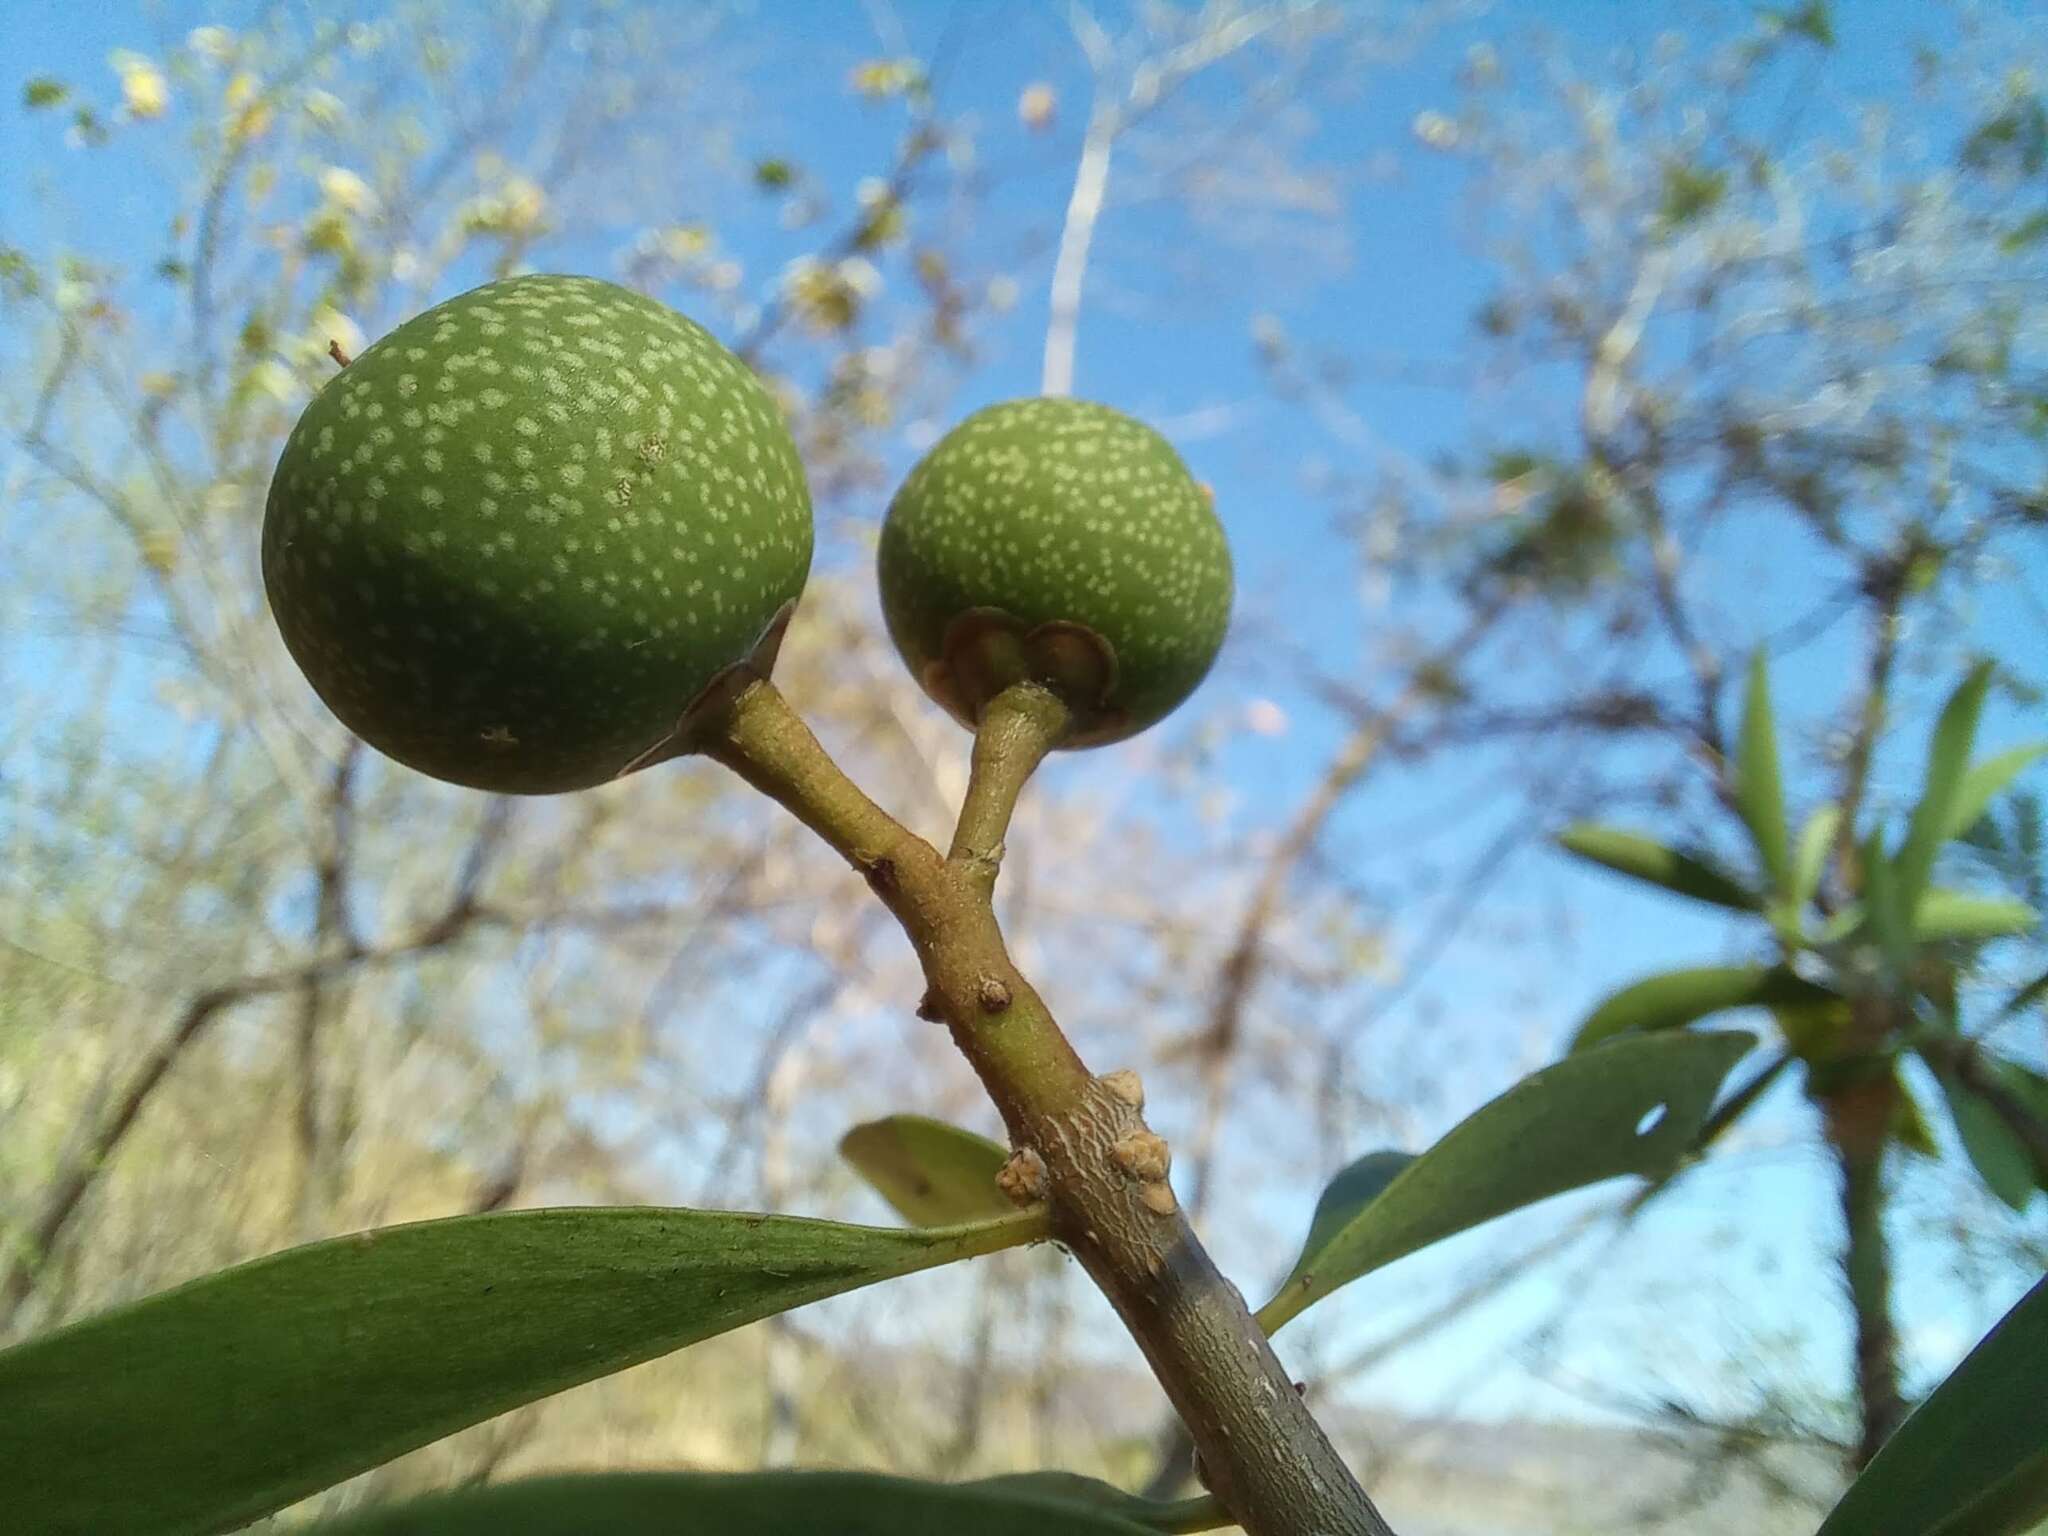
1245	959
1965	1059
1104	1172
84	1169
1077	234
330	928
1152	82
1021	725
1886	586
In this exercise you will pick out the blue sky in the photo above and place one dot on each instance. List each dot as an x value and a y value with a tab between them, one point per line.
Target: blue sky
1406	289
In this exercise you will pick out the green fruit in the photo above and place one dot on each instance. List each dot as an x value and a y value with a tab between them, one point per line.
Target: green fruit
1060	541
517	538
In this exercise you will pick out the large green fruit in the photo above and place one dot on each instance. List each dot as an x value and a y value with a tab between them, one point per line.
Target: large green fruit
1060	541
512	542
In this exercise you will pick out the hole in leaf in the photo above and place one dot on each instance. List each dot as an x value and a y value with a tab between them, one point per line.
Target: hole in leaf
1652	1118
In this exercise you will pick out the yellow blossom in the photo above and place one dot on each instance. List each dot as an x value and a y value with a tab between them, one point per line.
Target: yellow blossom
1035	107
346	190
216	45
523	201
144	91
330	327
249	116
324	108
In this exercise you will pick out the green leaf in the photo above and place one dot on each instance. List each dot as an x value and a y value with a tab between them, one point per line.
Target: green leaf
1685	873
932	1173
1631	1107
2029	231
2025	997
1973	1459
1844	923
1983	784
735	1504
206	1406
1960	915
1197	1514
1690	192
1810	21
1910	1126
1355	1187
2027	1085
1759	794
1881	905
43	91
1810	862
1814	1027
1941	793
1676	998
1996	1151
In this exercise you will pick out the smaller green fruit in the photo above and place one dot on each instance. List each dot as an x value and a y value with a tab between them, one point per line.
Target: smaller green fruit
512	544
1062	542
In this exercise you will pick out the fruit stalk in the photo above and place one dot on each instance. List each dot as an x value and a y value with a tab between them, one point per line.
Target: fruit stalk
1266	1458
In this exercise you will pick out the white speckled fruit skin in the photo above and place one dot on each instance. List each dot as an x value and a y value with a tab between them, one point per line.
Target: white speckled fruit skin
511	541
1059	510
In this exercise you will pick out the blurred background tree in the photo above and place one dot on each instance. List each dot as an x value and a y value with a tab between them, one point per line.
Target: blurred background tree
1736	345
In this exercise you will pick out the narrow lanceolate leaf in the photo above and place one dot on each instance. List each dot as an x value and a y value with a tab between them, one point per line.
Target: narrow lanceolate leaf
1909	1123
1677	870
1984	783
1996	1151
1881	906
1631	1107
1197	1514
932	1173
1677	998
1948	763
2025	997
736	1504
2027	1085
204	1407
1811	859
1759	792
1973	1459
1815	1028
1961	915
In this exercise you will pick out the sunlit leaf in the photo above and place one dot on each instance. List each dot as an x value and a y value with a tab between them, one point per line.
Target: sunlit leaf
1996	1151
1197	1514
736	1504
1941	792
1811	21
1813	1026
1684	873
1759	793
2031	230
1810	860
1631	1107
1675	998
2025	998
1690	192
1355	1187
1962	915
1881	905
1910	1125
2028	1086
1973	1458
932	1173
1984	782
204	1407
